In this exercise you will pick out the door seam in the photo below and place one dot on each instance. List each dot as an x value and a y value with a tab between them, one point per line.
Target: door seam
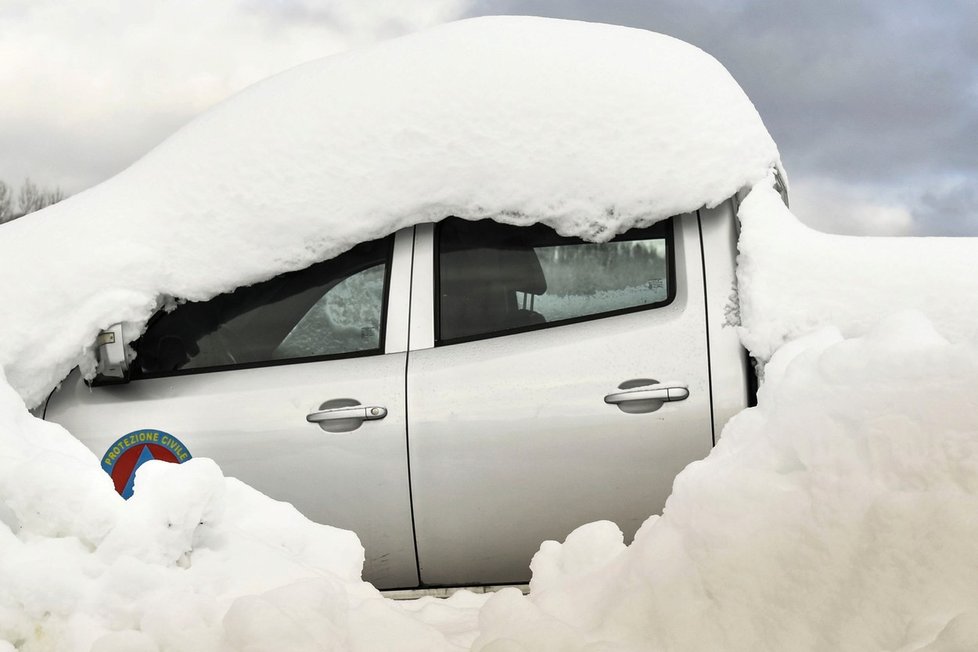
407	415
706	326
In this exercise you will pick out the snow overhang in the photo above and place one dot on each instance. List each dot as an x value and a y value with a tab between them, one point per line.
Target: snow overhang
589	128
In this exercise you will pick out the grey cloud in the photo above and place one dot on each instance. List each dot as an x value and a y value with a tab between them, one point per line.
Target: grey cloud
96	87
932	208
396	20
76	158
295	11
887	77
874	92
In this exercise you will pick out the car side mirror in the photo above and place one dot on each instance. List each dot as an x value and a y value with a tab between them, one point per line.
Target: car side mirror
112	356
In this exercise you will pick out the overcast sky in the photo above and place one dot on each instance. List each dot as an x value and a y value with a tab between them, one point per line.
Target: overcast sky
874	104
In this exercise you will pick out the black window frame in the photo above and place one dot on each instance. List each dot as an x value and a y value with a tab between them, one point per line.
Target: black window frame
668	232
135	373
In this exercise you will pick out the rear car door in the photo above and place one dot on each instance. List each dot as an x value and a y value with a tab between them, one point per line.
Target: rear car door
295	386
551	383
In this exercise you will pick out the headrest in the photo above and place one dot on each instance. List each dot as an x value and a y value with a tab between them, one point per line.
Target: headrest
512	269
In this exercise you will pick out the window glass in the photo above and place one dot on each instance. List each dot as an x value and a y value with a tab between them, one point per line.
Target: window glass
332	308
346	318
496	278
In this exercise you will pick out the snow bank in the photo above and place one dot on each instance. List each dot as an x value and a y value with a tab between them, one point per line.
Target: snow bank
839	514
589	128
193	561
793	279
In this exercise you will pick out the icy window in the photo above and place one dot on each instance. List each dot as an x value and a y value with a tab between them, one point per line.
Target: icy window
495	278
332	308
347	318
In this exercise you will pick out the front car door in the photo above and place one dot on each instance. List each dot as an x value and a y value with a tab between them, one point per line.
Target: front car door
524	346
238	379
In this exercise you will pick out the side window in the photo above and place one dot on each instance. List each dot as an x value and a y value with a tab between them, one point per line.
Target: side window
496	279
333	308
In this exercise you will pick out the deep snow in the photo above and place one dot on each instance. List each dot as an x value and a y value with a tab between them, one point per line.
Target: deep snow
839	514
794	279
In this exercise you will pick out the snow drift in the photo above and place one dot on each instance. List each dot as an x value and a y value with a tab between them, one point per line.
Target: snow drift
837	515
193	561
794	280
589	128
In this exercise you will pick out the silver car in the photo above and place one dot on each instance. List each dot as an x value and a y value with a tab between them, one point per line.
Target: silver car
455	393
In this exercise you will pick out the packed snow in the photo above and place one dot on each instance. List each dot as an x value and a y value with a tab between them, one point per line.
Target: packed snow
839	514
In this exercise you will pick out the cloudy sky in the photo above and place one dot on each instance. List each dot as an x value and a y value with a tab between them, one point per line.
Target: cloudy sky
874	104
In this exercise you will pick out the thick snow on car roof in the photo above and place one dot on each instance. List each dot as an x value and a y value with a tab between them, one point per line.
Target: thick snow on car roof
589	128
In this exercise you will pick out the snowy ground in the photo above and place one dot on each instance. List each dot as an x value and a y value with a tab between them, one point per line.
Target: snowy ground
839	514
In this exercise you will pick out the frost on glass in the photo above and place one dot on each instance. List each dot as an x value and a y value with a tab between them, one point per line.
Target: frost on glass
345	320
588	279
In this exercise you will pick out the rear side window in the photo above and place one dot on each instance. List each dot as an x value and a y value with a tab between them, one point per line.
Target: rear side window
332	309
495	279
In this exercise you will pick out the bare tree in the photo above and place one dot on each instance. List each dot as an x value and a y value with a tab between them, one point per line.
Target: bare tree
6	208
30	197
49	197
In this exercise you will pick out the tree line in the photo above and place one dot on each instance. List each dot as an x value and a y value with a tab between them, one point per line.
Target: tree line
31	197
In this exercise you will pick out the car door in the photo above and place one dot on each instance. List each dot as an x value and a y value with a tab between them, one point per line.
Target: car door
295	386
550	383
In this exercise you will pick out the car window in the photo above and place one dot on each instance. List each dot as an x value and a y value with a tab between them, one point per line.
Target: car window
498	279
334	308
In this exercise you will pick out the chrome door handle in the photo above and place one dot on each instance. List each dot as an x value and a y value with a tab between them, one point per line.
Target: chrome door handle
658	392
365	412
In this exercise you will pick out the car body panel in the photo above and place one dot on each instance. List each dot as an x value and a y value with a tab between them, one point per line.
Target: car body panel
252	421
512	443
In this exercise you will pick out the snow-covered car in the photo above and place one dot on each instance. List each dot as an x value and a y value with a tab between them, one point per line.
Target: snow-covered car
457	391
454	393
384	287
